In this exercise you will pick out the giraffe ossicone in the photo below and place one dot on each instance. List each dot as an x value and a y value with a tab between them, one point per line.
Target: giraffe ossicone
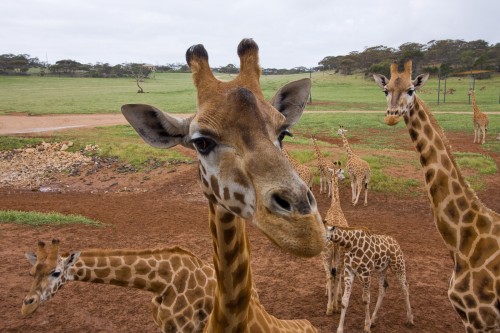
237	135
469	229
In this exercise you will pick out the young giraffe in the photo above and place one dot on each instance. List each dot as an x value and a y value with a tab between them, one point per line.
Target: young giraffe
358	170
182	285
332	254
365	254
245	177
480	120
304	171
324	178
470	230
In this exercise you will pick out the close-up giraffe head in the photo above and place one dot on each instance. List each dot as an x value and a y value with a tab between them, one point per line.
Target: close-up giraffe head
399	91
49	272
237	135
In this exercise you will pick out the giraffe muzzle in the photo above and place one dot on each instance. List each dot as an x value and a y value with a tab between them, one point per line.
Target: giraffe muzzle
392	117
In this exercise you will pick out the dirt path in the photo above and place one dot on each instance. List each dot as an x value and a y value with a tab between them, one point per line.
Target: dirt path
19	124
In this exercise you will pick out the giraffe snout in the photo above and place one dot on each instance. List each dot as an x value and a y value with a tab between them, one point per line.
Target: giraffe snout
287	203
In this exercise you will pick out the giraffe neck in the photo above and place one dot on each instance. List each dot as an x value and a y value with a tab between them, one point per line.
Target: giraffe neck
232	267
453	202
151	270
347	147
347	238
319	155
474	105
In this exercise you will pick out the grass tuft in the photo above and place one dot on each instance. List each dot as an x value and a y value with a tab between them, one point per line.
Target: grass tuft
41	219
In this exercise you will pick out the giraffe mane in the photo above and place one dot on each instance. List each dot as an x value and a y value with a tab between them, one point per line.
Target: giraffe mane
362	229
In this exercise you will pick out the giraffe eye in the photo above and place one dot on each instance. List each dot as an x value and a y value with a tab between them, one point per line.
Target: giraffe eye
203	145
411	91
55	274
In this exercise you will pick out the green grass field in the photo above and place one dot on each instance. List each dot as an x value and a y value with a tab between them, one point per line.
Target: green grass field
174	92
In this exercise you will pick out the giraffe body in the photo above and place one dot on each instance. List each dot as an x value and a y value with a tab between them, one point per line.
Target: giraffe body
304	171
324	178
237	136
480	120
358	170
333	254
469	229
366	254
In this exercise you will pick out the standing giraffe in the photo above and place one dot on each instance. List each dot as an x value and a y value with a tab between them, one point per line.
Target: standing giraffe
324	178
182	284
358	170
365	254
470	230
480	120
237	136
304	171
332	254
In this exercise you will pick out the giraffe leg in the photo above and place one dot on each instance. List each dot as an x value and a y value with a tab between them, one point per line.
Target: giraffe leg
348	281
329	270
320	181
366	193
359	186
401	276
353	189
382	287
483	129
337	286
366	280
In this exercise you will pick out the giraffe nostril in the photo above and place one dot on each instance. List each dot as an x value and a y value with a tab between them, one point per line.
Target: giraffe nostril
29	301
283	203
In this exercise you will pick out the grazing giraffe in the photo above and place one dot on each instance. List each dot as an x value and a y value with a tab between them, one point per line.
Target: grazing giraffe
470	230
365	254
324	178
237	136
357	169
303	170
332	254
480	120
182	285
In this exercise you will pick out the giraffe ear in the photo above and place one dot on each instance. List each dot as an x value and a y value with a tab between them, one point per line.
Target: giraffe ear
31	256
381	80
71	259
291	99
156	127
420	81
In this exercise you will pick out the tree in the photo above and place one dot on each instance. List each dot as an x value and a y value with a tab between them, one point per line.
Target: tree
139	72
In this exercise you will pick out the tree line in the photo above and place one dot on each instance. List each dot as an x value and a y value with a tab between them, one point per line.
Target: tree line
442	57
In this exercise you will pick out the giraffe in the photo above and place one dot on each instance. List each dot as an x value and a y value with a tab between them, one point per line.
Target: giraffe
304	171
358	170
366	253
469	229
237	136
480	120
182	284
332	254
324	178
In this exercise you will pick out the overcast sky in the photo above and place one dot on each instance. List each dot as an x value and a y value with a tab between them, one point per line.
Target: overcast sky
289	33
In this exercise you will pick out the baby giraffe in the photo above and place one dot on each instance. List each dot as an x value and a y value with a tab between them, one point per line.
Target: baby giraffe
183	286
365	254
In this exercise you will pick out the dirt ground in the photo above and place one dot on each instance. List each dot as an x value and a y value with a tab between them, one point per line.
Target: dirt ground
163	207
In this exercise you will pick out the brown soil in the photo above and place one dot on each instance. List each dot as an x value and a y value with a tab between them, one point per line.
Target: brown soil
164	207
